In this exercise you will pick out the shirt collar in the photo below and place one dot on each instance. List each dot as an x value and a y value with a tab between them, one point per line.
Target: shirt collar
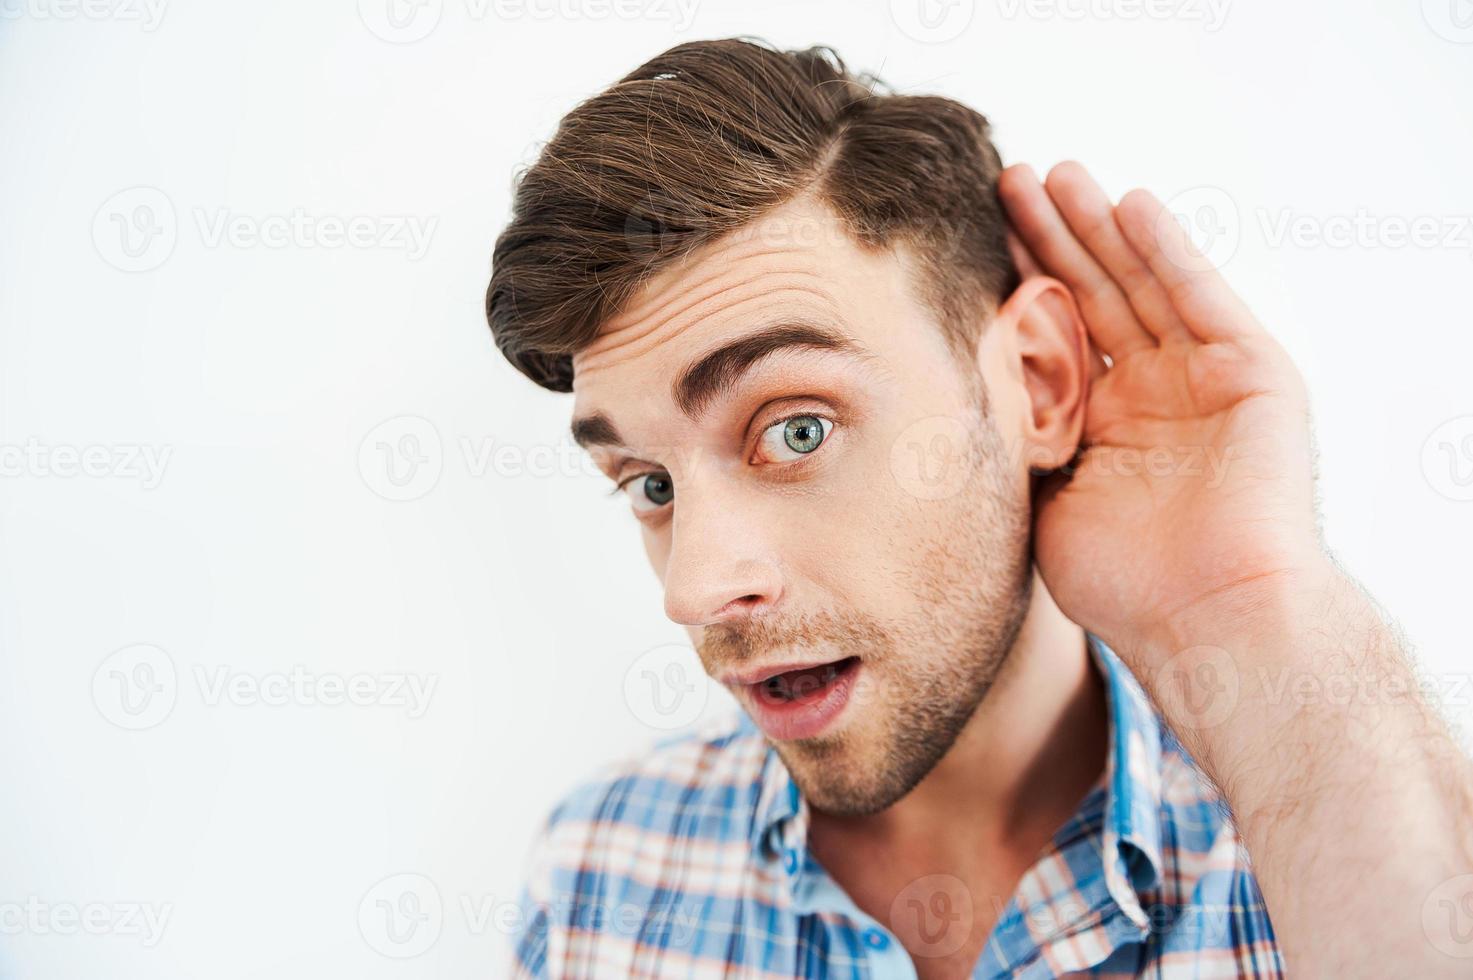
1132	780
1132	828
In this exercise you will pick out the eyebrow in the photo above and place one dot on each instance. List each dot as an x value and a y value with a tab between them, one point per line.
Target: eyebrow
718	371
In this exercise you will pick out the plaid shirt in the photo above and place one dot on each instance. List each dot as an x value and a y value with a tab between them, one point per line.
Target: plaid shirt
692	861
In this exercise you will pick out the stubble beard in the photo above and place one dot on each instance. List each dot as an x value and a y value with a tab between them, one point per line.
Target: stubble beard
923	679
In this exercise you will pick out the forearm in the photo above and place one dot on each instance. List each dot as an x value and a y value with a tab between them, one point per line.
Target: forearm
1355	803
1284	683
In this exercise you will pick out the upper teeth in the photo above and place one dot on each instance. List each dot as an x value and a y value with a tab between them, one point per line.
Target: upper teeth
781	684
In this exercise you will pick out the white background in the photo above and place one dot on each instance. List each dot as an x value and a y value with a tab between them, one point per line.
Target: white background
267	377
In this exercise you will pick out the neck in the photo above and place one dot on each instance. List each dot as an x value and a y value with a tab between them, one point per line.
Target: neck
1030	752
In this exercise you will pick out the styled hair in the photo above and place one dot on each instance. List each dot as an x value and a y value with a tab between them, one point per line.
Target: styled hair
706	137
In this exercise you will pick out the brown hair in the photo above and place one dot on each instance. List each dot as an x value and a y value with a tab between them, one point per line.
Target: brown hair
706	137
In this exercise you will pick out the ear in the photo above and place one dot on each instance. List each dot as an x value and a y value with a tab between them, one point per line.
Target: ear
1043	335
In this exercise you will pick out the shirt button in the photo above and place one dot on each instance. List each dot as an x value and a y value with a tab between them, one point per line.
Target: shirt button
790	861
875	939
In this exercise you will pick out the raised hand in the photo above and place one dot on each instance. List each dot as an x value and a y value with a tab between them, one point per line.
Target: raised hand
1222	558
1193	492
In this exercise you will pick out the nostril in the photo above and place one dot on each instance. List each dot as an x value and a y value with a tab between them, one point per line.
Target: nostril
741	604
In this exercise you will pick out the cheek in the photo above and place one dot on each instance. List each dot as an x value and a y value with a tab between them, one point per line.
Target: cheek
656	549
865	537
1009	405
938	523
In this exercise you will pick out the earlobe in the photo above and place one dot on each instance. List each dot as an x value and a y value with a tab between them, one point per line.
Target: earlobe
1053	358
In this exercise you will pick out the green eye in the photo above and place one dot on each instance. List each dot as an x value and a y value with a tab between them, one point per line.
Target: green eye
659	488
651	491
794	437
803	434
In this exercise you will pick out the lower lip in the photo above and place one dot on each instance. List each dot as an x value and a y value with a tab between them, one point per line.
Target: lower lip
804	717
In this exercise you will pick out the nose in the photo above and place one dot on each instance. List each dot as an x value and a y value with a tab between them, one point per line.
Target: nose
721	566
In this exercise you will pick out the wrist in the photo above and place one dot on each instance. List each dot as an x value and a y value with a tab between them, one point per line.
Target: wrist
1231	673
1251	617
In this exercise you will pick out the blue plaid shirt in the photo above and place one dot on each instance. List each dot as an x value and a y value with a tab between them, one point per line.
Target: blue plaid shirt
692	861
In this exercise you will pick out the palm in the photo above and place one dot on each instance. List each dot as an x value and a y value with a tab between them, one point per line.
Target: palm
1194	474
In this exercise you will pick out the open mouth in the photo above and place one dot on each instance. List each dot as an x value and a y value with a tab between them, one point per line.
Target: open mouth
804	685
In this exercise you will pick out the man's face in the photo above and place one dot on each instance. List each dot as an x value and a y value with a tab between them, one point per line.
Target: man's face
848	501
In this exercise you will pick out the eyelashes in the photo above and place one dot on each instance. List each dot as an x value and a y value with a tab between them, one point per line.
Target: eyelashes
801	435
657	480
785	441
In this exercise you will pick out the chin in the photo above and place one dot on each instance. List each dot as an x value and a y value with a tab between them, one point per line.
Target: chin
850	802
822	781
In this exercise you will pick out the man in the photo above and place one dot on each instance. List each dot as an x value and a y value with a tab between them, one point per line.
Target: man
953	528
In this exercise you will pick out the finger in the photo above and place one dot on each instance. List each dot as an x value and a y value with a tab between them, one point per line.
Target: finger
1203	300
1091	217
1027	268
1112	323
1097	363
1022	258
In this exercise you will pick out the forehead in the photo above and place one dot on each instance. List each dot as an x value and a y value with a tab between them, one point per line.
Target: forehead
796	260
